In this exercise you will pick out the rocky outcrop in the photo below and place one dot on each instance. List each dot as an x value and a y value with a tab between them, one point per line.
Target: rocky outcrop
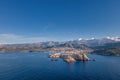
85	58
70	57
57	55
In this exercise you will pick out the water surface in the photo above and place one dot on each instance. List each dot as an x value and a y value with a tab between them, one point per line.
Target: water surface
37	66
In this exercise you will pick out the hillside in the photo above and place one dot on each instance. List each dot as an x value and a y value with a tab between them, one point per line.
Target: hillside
109	51
108	46
44	47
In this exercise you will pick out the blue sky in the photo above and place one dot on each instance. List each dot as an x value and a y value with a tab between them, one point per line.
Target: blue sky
45	20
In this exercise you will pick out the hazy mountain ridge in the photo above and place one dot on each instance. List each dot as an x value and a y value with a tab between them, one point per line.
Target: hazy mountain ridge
108	51
51	46
42	47
93	42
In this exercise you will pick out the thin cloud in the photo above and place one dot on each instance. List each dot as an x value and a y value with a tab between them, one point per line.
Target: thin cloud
17	39
9	36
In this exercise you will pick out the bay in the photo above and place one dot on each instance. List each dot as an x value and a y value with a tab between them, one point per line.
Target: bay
37	66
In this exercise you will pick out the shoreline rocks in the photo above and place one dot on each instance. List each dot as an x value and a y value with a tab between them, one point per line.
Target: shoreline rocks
69	59
85	58
57	55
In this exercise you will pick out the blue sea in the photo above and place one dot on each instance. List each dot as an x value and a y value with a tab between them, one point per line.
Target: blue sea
37	66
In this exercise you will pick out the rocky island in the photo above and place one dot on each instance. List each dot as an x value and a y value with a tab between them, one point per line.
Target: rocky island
70	57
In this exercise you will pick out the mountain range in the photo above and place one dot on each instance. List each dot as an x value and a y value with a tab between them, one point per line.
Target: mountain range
78	44
97	42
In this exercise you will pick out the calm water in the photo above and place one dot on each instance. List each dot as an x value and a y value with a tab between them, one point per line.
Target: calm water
37	66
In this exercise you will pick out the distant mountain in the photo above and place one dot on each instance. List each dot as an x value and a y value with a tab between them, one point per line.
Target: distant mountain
112	48
97	42
107	46
50	46
108	51
79	44
92	42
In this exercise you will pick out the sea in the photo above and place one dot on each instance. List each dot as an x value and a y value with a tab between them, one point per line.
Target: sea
37	66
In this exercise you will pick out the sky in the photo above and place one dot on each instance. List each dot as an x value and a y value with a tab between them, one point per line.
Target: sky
23	21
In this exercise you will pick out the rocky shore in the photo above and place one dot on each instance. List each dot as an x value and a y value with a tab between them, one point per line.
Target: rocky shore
70	57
